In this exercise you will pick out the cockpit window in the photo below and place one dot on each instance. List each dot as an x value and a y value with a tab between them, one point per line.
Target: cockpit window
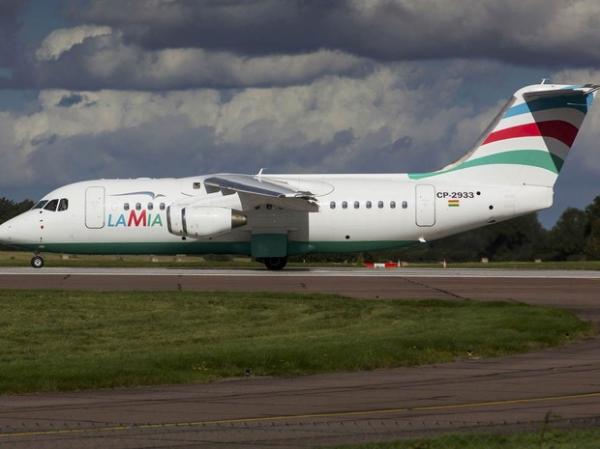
63	205
51	205
40	204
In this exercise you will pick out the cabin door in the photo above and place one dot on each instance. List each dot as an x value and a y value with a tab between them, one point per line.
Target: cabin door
425	205
94	207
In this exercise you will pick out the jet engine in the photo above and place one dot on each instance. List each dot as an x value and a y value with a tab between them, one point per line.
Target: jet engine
174	219
203	221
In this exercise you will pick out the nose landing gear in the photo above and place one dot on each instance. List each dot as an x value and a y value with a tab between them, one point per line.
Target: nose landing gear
37	261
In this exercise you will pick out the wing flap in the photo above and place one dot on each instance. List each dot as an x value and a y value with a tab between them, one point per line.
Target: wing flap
257	190
254	185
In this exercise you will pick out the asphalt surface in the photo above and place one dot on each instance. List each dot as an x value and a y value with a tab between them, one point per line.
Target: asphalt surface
561	385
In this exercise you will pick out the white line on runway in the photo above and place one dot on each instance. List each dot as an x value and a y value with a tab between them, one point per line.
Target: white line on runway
315	272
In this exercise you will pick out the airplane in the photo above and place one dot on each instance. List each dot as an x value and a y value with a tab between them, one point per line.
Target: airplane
510	171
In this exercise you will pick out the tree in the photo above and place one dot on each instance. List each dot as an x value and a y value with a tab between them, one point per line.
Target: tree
521	238
592	243
567	237
10	209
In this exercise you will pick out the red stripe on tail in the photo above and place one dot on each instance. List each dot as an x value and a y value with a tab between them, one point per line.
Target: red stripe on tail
563	131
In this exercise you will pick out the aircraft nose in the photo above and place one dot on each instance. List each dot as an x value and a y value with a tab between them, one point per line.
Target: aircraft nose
5	231
19	230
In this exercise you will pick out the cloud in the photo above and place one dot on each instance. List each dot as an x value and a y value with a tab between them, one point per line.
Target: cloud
177	44
10	25
96	57
390	120
69	100
64	39
559	33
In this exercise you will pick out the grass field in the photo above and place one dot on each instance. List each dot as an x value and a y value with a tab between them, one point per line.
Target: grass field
546	439
21	259
76	340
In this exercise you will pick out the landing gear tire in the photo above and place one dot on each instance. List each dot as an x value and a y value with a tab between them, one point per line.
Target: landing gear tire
37	261
275	263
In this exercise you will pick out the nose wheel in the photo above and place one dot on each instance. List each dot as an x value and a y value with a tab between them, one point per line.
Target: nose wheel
37	261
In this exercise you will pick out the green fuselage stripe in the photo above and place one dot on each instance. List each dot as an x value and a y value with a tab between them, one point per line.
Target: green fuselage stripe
196	247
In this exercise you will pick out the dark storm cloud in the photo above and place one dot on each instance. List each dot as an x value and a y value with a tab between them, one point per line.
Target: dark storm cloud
97	57
10	24
553	32
170	44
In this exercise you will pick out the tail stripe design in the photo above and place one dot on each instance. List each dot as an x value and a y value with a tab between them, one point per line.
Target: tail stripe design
542	104
533	133
569	115
557	129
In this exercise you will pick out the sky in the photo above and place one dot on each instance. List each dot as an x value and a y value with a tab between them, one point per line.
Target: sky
167	88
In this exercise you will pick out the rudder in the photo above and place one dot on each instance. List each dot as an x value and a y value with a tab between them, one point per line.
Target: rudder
529	140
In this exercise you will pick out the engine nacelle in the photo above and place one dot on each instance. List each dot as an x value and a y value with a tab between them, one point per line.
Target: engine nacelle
203	221
174	219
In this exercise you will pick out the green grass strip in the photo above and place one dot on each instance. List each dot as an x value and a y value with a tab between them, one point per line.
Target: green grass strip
51	340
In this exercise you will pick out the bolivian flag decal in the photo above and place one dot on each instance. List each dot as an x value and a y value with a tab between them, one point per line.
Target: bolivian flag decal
453	203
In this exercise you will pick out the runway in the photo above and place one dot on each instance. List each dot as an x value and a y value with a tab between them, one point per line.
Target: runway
514	392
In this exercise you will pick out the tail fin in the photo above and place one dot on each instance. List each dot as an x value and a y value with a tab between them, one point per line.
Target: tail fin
528	141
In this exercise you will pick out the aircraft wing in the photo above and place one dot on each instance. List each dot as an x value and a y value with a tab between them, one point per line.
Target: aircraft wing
257	190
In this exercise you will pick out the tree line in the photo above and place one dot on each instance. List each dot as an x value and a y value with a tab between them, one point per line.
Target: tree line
10	209
575	236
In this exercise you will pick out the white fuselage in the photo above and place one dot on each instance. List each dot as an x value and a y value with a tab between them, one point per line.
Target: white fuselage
355	213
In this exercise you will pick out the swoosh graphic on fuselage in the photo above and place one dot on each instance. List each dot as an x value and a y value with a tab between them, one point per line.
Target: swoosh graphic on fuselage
150	194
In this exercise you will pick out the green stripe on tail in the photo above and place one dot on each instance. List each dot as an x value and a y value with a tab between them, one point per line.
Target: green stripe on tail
532	158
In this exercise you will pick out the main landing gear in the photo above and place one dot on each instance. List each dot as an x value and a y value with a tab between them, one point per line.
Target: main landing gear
37	261
275	263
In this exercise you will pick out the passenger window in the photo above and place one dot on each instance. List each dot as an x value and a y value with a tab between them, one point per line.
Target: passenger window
63	205
51	205
380	204
392	205
162	206
150	206
404	204
356	205
332	205
344	204
40	204
138	206
197	185
369	205
126	206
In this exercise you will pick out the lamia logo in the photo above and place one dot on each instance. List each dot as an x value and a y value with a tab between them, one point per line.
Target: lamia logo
142	219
